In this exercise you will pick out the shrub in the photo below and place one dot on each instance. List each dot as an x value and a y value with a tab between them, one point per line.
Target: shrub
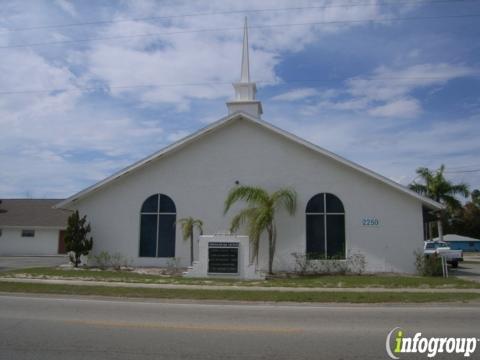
102	260
116	261
314	264
428	265
77	241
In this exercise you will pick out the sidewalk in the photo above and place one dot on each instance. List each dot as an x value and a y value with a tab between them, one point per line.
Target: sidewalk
236	288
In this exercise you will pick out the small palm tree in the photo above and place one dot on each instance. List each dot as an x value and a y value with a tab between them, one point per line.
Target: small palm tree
188	226
259	216
436	187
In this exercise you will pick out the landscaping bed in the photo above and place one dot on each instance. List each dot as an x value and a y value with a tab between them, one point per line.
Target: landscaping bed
313	281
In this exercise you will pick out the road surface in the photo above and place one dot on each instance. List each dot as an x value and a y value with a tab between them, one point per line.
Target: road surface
41	327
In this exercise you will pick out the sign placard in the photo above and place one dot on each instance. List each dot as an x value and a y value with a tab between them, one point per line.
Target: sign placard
223	258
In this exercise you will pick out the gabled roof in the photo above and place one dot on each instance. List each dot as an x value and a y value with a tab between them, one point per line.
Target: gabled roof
226	120
32	213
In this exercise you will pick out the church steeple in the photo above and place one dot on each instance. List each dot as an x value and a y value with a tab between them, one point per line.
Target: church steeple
245	90
245	74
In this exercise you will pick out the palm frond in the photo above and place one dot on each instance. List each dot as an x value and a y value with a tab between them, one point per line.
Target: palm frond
242	217
418	188
285	198
462	189
199	225
250	194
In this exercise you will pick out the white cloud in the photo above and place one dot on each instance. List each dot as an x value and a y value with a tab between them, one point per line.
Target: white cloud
402	108
295	95
67	6
206	56
388	91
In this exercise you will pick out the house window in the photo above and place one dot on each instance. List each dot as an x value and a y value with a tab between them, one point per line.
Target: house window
28	233
325	218
157	227
0	232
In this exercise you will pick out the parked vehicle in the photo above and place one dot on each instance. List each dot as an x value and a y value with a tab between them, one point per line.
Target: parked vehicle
441	248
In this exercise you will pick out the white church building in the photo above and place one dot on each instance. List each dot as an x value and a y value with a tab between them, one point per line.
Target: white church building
342	207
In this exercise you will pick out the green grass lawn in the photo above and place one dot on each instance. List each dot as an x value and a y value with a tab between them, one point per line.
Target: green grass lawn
337	281
238	295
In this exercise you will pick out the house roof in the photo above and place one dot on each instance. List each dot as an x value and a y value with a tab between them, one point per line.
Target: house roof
32	213
455	237
221	123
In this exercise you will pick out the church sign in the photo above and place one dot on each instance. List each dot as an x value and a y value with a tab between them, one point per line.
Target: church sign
223	257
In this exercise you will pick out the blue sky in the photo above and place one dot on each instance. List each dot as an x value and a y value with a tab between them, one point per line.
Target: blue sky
391	95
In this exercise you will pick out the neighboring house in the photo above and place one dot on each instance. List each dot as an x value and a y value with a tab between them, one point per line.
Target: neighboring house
31	227
458	242
343	208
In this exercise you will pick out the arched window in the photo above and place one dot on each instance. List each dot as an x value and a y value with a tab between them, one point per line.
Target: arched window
325	227
157	227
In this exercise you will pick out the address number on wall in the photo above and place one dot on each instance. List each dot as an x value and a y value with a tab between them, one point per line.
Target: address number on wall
372	221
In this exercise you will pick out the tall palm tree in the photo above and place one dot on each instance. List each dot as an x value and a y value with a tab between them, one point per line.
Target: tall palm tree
259	215
188	226
436	187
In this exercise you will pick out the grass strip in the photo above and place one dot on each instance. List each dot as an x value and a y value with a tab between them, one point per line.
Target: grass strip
238	295
313	281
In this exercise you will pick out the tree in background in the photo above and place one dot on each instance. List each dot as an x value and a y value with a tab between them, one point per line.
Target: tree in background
77	242
259	215
436	187
466	221
188	226
475	195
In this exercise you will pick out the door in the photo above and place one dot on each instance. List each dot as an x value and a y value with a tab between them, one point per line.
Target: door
61	242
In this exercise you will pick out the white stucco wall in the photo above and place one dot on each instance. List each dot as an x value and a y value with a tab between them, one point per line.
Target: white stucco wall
199	176
45	242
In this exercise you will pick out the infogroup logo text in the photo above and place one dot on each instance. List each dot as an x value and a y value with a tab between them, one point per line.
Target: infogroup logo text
430	346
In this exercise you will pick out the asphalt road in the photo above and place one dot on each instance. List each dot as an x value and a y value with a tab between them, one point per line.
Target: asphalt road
68	328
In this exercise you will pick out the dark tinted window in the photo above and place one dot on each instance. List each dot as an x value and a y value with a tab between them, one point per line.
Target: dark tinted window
151	204
148	235
157	227
325	232
315	236
334	205
166	204
28	233
335	236
315	205
166	236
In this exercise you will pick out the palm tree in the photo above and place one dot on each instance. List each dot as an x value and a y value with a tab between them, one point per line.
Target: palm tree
188	226
259	215
436	187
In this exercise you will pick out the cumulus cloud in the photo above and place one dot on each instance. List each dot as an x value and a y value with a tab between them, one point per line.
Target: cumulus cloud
388	91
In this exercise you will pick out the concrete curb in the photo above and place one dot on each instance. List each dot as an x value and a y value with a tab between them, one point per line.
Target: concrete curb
236	288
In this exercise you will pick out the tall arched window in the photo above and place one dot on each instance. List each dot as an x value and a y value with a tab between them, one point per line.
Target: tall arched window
157	227
325	227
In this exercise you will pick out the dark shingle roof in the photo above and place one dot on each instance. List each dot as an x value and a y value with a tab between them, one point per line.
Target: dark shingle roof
32	212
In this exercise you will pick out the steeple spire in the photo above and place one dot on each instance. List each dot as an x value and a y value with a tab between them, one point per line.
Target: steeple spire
245	90
245	75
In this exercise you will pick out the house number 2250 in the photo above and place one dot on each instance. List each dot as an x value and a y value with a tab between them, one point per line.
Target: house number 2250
370	222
